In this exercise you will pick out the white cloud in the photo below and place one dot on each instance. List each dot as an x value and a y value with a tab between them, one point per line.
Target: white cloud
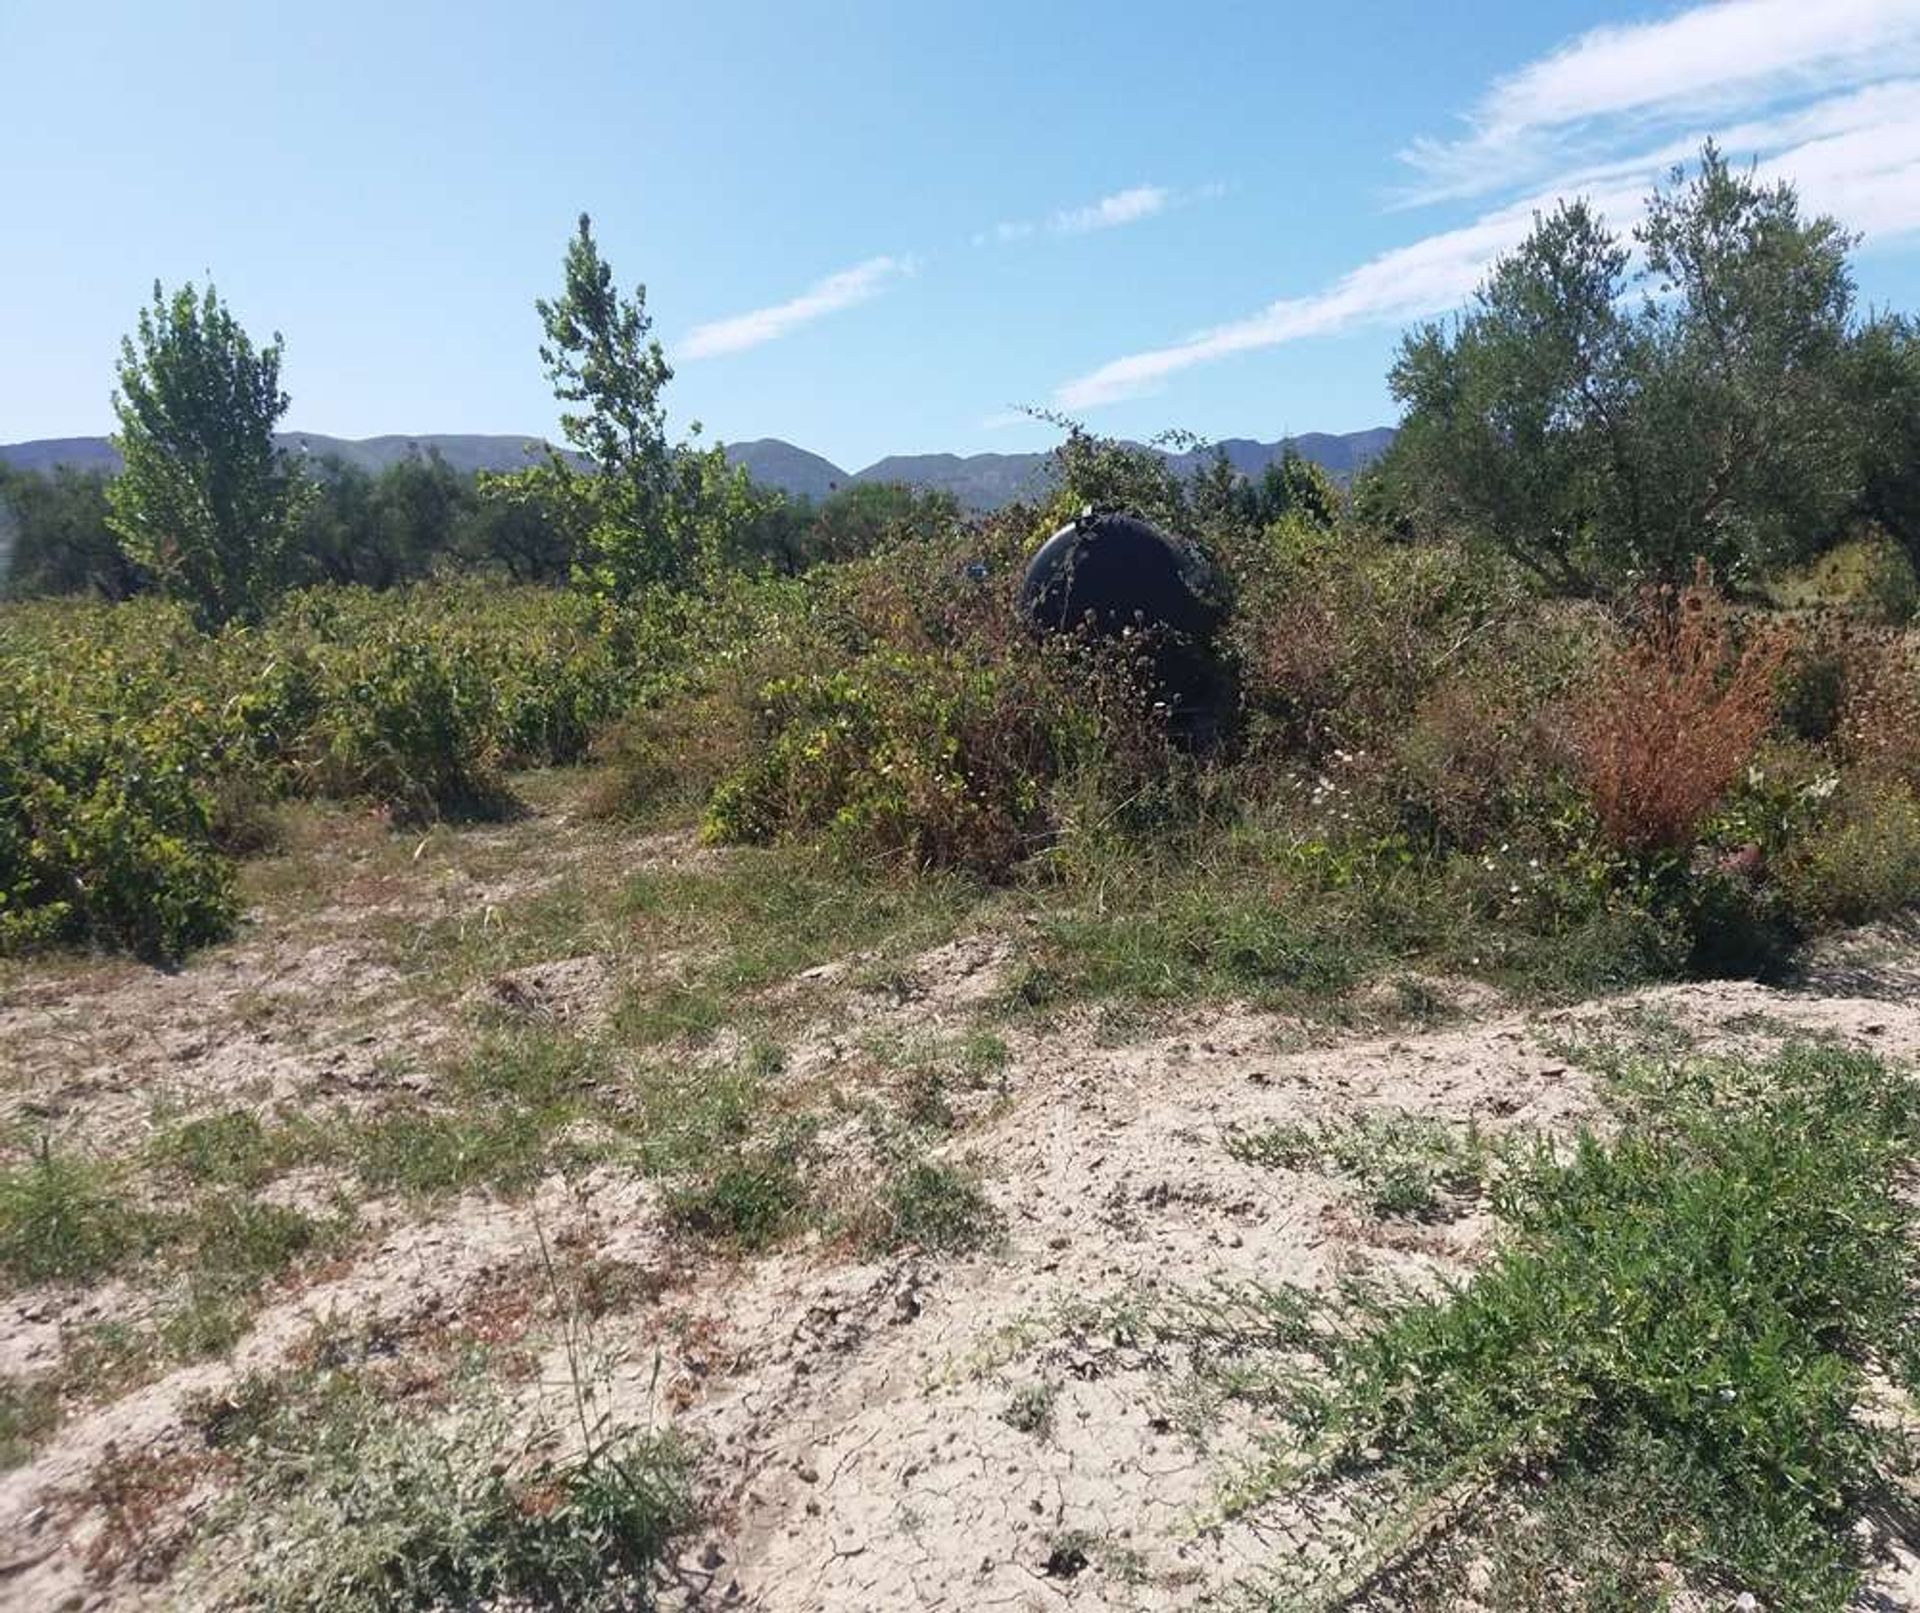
1128	206
1856	156
843	290
1123	207
1711	59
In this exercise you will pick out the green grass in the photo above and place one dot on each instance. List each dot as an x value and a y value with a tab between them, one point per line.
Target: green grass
928	1205
1666	1361
1184	940
1402	1164
348	1503
762	917
63	1217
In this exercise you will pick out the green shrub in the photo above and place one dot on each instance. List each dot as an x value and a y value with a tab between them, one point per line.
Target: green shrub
922	759
1686	1316
1861	863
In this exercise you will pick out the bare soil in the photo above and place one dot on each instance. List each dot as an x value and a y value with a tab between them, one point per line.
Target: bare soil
861	1445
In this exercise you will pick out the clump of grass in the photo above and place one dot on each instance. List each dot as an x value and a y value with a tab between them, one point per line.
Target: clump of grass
63	1217
350	1507
1403	1164
1031	1409
1684	1317
749	1198
29	1410
932	1206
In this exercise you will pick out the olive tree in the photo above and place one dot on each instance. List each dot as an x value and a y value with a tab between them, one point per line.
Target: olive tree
1608	412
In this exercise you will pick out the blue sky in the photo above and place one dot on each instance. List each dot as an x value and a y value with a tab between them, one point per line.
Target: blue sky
878	228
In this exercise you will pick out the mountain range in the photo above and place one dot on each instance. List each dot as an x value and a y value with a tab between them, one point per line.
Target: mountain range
977	481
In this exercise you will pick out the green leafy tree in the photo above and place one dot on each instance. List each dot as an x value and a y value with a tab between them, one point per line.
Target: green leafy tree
1599	439
61	543
1514	414
641	511
1294	486
206	502
858	520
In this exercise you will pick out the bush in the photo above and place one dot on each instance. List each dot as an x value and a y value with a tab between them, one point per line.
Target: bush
1676	715
921	759
106	826
136	751
1862	862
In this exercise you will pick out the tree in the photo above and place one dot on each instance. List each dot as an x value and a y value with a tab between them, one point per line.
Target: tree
1602	440
856	521
628	509
61	543
1514	413
1294	486
206	502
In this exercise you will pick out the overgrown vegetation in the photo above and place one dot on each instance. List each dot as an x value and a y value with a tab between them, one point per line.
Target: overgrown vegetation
1432	753
347	1507
1676	1357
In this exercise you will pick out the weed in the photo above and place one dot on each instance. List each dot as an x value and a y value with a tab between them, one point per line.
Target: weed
1031	1409
1684	1318
348	1506
62	1217
1404	1165
935	1207
748	1198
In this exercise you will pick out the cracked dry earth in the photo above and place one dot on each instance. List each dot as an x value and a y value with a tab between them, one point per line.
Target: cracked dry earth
852	1415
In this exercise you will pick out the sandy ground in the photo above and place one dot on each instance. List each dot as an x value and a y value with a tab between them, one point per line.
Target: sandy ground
852	1414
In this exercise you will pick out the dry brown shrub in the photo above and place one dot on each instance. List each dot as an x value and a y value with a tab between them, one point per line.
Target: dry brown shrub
1675	716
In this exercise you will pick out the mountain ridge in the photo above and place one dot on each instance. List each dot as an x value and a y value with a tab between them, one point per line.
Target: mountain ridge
979	482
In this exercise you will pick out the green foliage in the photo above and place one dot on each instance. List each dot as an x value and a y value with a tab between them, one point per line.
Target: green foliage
61	542
1599	441
130	744
643	512
868	517
106	817
923	759
1860	862
1686	1316
205	502
345	1505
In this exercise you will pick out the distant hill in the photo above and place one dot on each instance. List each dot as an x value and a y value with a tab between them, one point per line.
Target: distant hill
797	473
464	453
977	481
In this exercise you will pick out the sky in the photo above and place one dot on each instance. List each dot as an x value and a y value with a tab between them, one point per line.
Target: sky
881	228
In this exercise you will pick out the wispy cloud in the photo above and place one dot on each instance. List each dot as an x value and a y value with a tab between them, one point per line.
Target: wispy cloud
1826	95
1110	212
1710	60
1128	206
739	332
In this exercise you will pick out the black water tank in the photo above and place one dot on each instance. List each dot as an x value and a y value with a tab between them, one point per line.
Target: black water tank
1111	572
